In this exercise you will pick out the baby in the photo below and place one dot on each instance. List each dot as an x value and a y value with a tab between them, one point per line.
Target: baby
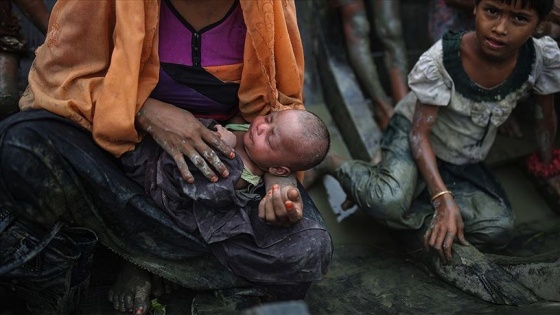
279	143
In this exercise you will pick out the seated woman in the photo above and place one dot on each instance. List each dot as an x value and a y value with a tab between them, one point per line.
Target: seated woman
110	73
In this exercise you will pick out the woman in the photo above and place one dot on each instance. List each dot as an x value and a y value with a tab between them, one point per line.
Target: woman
150	67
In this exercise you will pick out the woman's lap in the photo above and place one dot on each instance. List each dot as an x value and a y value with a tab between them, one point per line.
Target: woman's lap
124	218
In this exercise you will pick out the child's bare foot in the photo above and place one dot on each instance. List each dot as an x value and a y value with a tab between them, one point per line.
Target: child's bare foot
327	166
131	291
312	176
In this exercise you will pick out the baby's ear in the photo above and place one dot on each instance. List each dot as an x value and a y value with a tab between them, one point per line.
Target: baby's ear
279	171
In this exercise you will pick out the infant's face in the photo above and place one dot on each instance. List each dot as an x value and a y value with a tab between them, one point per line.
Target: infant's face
271	139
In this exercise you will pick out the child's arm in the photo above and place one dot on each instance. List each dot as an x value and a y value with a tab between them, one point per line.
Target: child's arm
447	223
546	125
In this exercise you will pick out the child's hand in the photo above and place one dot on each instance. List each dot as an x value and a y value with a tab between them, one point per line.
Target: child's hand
446	227
226	135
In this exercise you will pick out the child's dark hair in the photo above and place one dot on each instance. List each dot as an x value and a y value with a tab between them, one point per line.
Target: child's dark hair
542	7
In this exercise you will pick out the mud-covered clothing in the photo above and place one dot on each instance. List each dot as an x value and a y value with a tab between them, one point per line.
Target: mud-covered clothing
398	198
469	115
461	137
11	37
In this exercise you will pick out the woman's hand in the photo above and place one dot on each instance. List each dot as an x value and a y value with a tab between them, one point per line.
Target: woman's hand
446	227
282	204
179	133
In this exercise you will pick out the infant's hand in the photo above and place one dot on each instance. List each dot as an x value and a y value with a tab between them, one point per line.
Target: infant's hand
226	135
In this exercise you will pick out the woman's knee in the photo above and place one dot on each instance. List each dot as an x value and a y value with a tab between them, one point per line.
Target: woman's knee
311	252
20	150
29	177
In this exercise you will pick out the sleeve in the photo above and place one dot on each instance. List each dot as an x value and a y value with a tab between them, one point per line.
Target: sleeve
97	76
426	79
548	78
273	65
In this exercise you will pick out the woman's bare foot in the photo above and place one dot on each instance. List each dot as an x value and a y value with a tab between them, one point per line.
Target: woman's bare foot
131	290
161	286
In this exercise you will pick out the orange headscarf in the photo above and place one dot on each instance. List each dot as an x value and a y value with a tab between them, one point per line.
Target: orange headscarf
99	64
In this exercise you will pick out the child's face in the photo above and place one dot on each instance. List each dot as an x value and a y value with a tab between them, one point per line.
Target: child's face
271	139
501	28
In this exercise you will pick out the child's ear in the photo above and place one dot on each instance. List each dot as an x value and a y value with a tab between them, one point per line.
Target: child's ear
279	171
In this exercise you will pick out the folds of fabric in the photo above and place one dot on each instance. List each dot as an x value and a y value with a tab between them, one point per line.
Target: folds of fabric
100	76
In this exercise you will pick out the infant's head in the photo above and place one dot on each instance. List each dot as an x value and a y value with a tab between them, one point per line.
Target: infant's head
287	141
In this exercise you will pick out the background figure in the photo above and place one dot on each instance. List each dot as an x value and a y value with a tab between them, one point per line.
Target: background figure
444	15
551	27
13	47
357	34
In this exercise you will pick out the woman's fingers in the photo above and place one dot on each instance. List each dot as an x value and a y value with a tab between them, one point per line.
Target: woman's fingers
183	168
203	158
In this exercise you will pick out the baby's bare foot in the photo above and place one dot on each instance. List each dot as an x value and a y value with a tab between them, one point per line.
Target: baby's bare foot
131	291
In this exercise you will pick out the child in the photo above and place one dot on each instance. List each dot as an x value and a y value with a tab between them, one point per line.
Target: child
279	143
463	88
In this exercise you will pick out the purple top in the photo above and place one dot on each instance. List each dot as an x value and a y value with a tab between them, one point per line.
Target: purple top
186	52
